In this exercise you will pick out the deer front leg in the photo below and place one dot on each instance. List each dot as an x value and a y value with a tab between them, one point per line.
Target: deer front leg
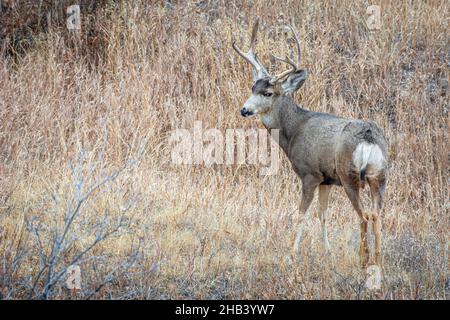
309	184
324	193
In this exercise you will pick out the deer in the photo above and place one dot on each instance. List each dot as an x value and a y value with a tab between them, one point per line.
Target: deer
325	150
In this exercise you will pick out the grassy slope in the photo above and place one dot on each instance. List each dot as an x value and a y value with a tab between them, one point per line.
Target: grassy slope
221	232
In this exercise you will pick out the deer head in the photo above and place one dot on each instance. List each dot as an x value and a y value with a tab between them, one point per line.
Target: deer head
266	88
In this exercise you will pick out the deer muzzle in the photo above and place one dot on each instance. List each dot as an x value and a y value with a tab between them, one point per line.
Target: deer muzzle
245	112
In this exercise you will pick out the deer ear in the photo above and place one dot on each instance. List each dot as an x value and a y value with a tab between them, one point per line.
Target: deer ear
294	81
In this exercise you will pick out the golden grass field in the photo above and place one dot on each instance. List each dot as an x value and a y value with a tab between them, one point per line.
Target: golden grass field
78	108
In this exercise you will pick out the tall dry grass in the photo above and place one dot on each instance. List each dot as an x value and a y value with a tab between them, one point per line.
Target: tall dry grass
72	116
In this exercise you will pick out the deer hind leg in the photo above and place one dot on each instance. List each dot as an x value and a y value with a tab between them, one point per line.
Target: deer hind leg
353	194
324	193
309	184
377	193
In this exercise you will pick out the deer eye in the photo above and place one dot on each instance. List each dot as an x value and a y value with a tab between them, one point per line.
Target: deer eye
267	94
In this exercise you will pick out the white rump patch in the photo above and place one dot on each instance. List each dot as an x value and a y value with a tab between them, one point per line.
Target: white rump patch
368	154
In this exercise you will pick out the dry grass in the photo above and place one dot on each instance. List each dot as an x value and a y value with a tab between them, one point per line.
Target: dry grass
223	231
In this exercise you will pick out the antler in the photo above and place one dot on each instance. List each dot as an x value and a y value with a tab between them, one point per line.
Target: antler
259	70
250	56
285	73
287	60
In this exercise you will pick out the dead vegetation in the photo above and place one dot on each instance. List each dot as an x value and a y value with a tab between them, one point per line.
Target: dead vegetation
137	70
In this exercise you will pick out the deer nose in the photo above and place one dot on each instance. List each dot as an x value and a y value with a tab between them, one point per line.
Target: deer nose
245	112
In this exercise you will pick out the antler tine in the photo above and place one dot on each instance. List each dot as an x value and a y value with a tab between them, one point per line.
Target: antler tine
297	41
250	56
288	60
243	55
254	34
285	73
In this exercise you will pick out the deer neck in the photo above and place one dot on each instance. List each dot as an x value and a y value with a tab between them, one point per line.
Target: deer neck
285	116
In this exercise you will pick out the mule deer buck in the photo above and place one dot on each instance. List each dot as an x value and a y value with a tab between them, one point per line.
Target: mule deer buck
324	149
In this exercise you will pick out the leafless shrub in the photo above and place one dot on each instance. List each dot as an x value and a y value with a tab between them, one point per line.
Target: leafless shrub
68	231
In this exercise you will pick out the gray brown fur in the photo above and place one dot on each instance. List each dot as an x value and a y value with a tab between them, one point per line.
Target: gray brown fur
320	147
